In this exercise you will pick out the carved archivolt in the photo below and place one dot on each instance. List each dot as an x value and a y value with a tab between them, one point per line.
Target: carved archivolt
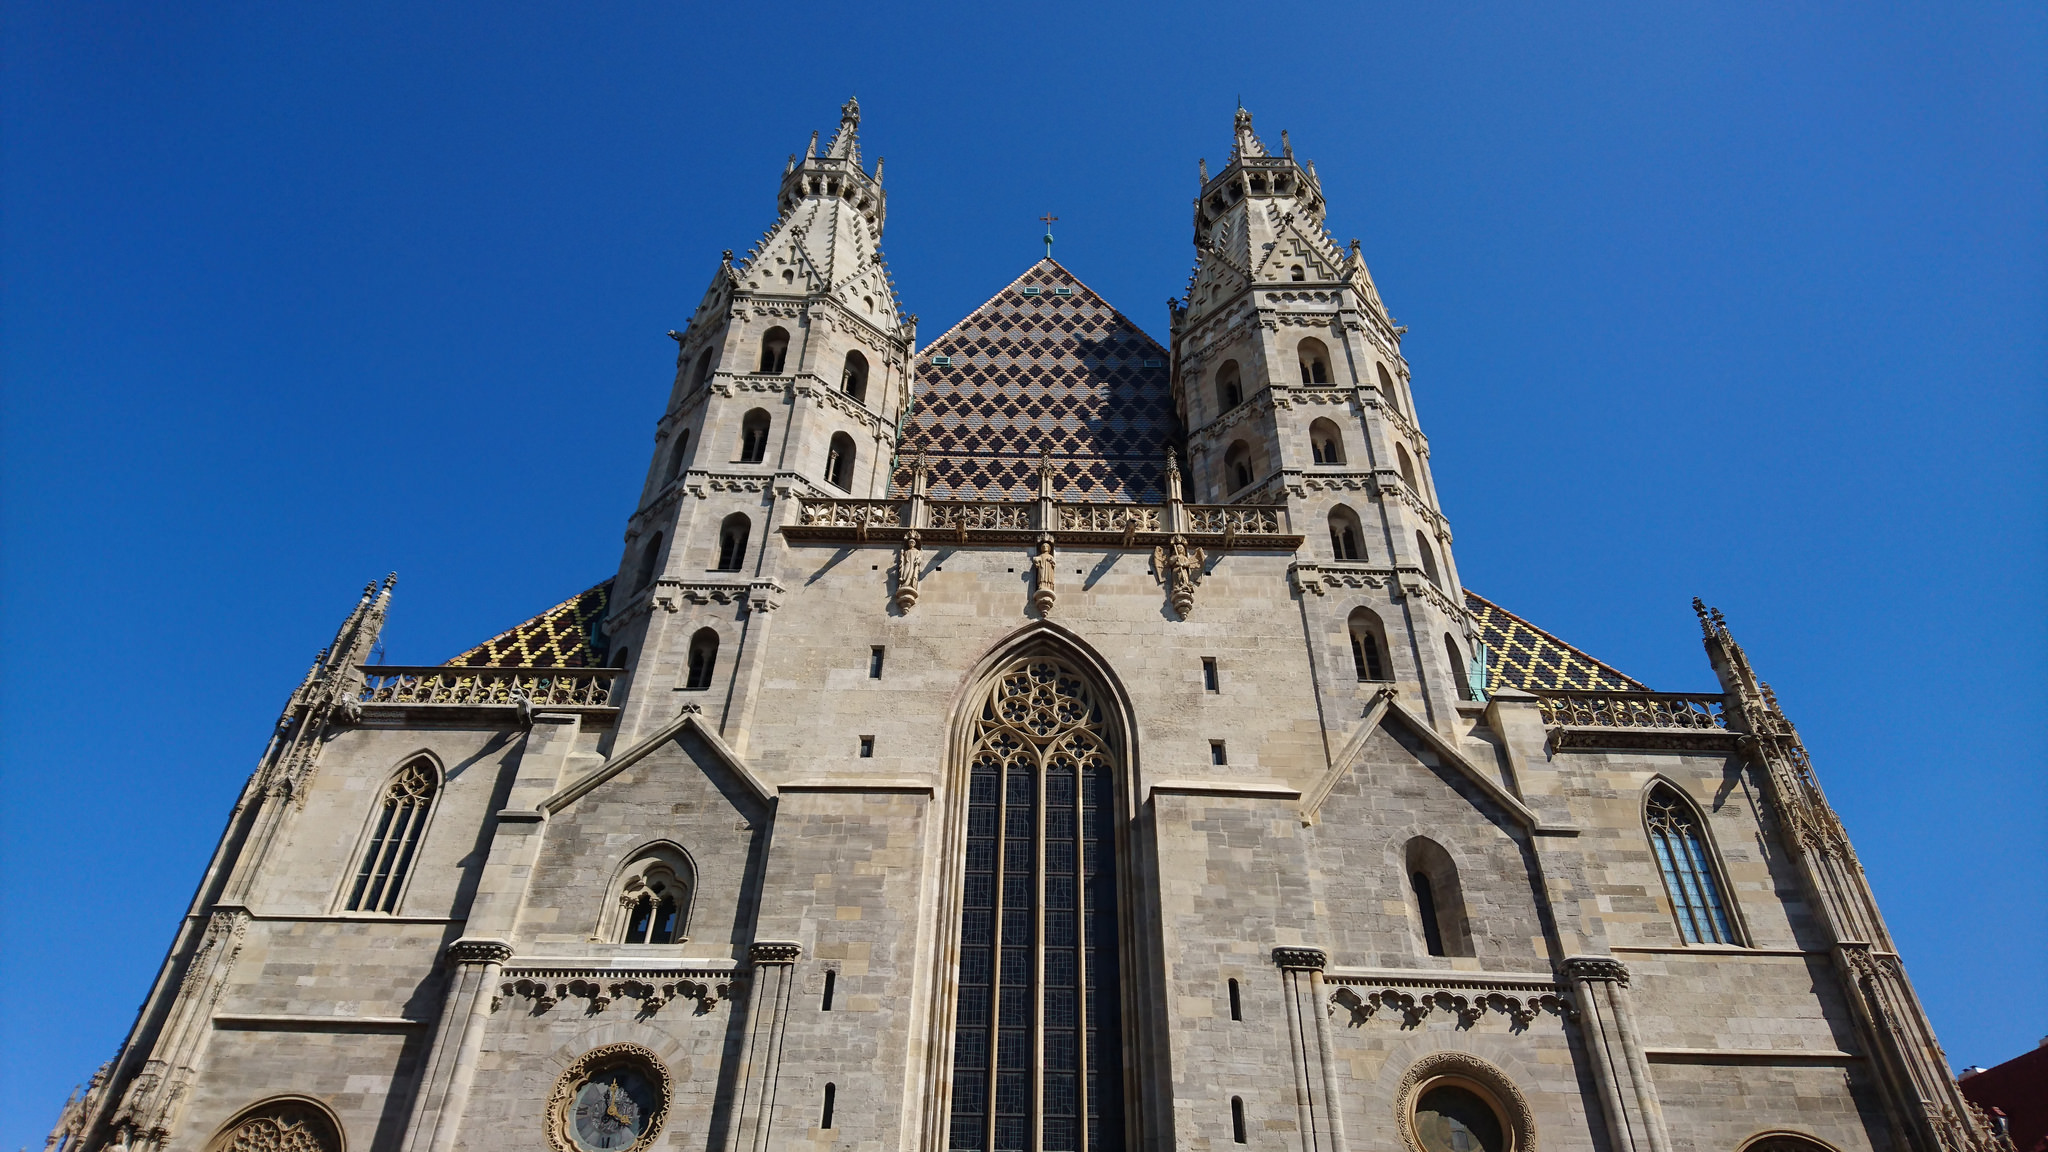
291	1124
1467	1071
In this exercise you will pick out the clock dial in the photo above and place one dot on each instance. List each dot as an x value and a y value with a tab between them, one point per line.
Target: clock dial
612	1109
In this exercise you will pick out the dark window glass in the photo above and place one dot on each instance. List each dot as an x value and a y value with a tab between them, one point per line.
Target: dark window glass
1688	871
1449	1118
1425	903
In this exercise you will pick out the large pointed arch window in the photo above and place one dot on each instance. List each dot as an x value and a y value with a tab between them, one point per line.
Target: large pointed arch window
394	838
1688	868
1037	1051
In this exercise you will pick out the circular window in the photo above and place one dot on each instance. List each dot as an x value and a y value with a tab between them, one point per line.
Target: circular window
1456	1102
1453	1118
613	1099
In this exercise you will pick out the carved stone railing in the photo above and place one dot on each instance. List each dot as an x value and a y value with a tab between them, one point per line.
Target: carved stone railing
986	516
446	686
1651	721
834	513
1236	519
1111	517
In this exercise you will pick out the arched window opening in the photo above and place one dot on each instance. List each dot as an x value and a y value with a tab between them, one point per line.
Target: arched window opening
1347	537
1236	1002
1387	388
1237	467
1229	386
732	542
291	1124
703	659
789	275
1325	442
1315	361
853	379
839	462
1297	274
1428	559
774	349
1368	644
1451	1117
1688	868
650	563
703	369
1439	901
678	455
394	838
1461	673
1037	1021
754	436
654	898
1237	1119
1407	468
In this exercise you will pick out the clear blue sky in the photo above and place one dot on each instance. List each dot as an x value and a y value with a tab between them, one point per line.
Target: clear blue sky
1742	301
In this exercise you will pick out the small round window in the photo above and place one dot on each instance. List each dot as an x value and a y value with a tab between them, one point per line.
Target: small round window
1454	1118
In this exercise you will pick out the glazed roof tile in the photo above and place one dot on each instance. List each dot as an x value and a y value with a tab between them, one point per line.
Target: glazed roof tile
1524	656
565	636
1031	374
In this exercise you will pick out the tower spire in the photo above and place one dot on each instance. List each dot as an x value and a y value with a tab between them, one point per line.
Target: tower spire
845	143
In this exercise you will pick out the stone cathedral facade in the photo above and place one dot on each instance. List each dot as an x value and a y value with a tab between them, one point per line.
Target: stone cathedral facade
1040	738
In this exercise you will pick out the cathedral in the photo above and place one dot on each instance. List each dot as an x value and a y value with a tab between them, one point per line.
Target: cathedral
1039	738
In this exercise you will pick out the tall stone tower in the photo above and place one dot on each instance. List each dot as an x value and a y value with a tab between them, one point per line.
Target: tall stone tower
1291	382
791	379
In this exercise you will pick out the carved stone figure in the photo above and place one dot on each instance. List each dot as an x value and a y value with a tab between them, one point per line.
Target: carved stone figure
1044	590
1179	569
909	563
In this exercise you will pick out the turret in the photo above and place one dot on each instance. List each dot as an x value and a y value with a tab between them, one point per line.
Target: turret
1288	374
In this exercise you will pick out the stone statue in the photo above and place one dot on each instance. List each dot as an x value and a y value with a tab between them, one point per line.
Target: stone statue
1044	564
1180	570
909	563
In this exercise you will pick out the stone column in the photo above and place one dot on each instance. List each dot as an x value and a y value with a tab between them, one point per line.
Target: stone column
774	967
458	1038
1635	1120
1308	1038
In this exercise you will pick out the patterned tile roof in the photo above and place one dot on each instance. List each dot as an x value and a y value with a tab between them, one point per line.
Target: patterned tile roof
1030	372
564	636
1524	656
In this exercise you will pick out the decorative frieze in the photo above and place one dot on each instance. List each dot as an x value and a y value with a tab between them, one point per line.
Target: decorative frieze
1465	997
648	991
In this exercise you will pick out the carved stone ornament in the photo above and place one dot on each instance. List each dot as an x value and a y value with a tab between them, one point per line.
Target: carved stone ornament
1301	958
479	952
1469	1007
1045	584
774	952
287	1125
649	996
1596	968
1179	568
909	565
612	1099
1463	1070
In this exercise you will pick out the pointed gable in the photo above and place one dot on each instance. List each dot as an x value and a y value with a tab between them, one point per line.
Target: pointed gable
1031	373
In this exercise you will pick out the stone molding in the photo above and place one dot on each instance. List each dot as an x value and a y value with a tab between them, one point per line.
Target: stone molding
469	951
600	988
1596	968
1311	959
774	952
1415	997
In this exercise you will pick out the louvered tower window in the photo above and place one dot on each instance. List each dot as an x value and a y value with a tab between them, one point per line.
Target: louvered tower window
1038	1062
394	839
1688	870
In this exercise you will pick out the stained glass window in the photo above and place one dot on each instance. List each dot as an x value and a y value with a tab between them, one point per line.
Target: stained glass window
394	837
1688	870
1037	1053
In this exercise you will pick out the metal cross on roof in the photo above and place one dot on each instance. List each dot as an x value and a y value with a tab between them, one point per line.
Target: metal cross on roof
1048	218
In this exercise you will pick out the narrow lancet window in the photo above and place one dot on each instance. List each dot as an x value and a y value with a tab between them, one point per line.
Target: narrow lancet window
1688	869
1037	1039
394	839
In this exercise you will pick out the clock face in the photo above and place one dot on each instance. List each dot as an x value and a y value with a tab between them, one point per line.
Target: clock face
612	1109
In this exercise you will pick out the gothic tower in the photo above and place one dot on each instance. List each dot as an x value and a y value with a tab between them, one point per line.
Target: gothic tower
1290	380
790	380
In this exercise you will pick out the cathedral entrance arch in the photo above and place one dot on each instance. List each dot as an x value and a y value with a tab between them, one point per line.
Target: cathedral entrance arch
1037	1005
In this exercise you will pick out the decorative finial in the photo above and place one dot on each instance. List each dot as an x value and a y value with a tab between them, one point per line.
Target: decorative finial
1286	145
1048	218
728	255
791	166
813	151
1202	166
1354	245
878	168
